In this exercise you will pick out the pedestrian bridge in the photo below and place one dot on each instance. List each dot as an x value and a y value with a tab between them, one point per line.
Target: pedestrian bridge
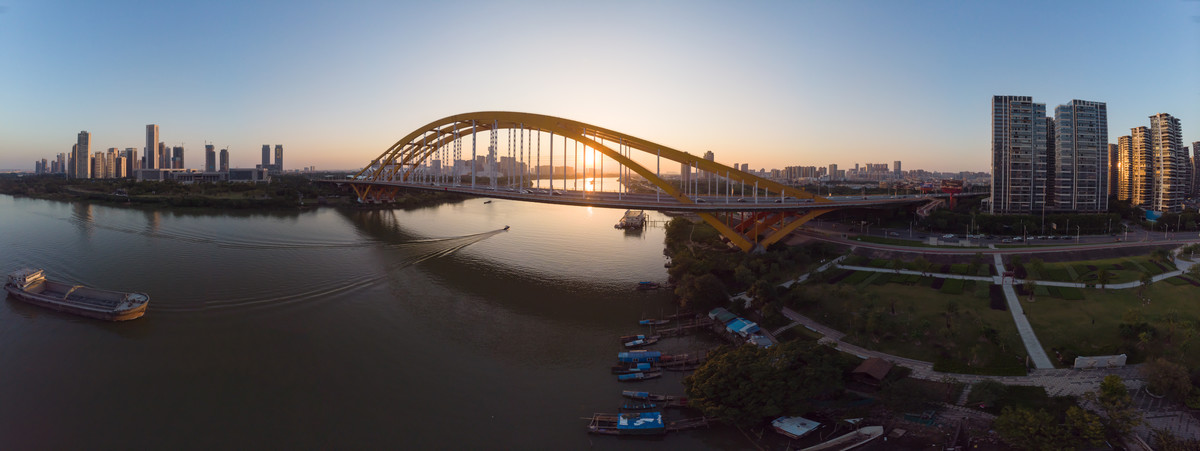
554	160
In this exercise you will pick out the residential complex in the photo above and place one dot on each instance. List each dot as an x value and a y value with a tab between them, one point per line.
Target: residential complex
1019	155
1154	169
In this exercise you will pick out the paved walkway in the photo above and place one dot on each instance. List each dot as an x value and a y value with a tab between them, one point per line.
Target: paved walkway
1032	346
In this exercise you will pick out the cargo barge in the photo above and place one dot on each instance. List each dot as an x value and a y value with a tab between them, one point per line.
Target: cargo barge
31	285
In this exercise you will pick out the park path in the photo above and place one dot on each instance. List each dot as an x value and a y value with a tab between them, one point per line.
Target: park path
1033	347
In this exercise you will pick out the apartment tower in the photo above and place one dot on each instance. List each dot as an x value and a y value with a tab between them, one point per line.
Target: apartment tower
210	158
1081	156
151	146
1167	158
82	156
1018	155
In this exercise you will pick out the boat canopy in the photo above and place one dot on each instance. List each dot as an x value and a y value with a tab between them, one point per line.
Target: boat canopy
795	426
640	421
639	356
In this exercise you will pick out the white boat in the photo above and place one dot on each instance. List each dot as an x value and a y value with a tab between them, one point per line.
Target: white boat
849	441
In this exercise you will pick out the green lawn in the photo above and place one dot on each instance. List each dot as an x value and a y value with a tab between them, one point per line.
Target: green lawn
921	328
1092	326
1131	269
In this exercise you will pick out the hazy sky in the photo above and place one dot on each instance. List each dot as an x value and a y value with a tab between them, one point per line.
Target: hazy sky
765	83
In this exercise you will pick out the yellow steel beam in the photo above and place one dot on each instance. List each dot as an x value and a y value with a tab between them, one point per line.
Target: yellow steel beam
791	226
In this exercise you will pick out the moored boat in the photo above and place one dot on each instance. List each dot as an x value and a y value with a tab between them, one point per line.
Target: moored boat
654	322
631	368
639	406
640	375
666	400
31	286
645	286
637	343
631	423
852	440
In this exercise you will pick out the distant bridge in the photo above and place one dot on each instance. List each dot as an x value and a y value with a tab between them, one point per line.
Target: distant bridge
751	211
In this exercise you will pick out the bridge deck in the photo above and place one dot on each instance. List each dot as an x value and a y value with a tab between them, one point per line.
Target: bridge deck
706	203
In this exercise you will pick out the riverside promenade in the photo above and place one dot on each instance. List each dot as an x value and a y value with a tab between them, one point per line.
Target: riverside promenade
1056	381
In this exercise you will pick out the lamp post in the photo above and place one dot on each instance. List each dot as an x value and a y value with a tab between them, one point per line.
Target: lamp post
1076	233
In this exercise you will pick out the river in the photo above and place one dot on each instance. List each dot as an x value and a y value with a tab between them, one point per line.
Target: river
328	328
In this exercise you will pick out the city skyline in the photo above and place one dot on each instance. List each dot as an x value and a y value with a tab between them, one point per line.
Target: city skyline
769	85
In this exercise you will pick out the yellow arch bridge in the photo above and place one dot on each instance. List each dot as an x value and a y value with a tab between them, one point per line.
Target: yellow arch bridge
561	161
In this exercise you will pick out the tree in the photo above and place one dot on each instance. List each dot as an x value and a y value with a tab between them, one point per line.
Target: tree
1028	429
1104	277
1116	405
702	293
746	384
1030	286
1038	266
1146	279
1085	426
1167	378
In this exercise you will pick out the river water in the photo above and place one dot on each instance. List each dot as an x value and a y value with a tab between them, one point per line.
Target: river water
420	329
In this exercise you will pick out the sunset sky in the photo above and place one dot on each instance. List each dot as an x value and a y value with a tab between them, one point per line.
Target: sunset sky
771	84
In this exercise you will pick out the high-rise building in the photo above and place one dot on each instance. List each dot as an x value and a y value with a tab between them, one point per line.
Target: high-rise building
1050	162
164	156
896	169
132	162
1019	143
1195	168
1141	167
279	158
177	157
1113	172
82	155
210	158
266	156
151	146
833	171
98	169
1166	147
1188	180
224	165
1081	156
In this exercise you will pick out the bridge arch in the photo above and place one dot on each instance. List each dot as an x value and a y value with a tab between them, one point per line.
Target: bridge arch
400	162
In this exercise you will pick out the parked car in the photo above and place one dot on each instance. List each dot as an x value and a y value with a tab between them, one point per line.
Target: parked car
948	236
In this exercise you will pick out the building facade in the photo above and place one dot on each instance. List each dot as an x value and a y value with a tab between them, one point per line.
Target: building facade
151	147
210	158
81	155
1166	147
223	166
1080	155
1018	155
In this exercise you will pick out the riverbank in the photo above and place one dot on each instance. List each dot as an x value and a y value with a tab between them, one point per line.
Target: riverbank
286	192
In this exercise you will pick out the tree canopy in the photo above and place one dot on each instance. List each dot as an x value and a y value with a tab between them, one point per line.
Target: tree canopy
747	384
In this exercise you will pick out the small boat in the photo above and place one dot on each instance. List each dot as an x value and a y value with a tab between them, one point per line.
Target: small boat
638	406
637	356
631	423
640	375
625	338
642	342
647	286
505	227
665	400
654	322
31	285
632	368
854	439
487	202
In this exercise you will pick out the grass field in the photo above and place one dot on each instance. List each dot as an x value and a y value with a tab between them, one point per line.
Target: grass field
1121	270
928	324
1092	326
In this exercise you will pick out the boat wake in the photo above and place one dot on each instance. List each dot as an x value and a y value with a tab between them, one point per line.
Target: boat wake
414	252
